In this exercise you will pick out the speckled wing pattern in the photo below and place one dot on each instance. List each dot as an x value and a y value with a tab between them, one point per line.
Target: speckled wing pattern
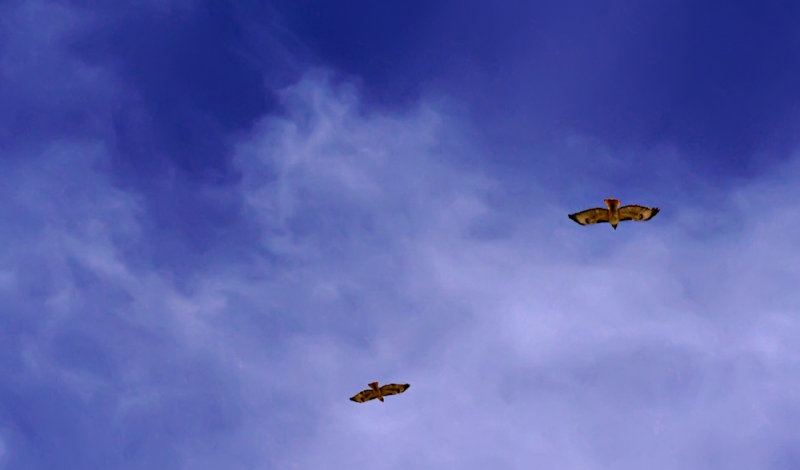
590	216
394	389
634	212
364	395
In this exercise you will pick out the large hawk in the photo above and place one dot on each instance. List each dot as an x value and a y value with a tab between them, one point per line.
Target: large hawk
614	214
378	392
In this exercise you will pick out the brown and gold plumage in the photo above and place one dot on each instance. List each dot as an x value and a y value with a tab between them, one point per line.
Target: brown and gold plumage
614	214
378	392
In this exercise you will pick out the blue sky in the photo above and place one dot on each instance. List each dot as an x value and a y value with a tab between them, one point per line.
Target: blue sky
219	222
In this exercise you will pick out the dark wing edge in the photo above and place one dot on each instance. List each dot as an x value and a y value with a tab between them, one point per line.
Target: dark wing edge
590	216
637	213
394	389
364	395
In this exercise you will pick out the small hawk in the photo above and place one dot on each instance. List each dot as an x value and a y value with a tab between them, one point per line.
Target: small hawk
378	392
614	214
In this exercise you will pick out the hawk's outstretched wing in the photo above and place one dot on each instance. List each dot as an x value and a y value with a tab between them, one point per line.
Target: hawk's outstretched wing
634	212
393	389
590	216
364	395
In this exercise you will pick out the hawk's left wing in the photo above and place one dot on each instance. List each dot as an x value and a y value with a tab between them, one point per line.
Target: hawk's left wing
590	216
637	212
364	395
394	389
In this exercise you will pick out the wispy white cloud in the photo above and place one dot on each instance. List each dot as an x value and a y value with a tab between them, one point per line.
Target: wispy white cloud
527	340
578	350
46	91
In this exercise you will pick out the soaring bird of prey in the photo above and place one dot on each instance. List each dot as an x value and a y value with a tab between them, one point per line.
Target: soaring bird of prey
614	214
378	392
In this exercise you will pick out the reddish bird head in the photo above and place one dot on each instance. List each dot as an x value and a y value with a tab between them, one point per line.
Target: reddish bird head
612	204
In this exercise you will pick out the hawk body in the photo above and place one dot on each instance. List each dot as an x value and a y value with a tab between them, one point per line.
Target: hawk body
378	392
614	214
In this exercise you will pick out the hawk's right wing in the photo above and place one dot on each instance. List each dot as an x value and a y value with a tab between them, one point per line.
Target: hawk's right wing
364	395
590	216
634	212
393	389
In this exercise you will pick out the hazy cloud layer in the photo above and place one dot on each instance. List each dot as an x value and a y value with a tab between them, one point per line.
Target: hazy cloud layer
357	244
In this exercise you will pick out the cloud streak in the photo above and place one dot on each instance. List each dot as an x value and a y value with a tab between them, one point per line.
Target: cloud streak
380	245
560	353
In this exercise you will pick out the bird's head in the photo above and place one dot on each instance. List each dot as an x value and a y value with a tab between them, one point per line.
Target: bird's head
612	203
